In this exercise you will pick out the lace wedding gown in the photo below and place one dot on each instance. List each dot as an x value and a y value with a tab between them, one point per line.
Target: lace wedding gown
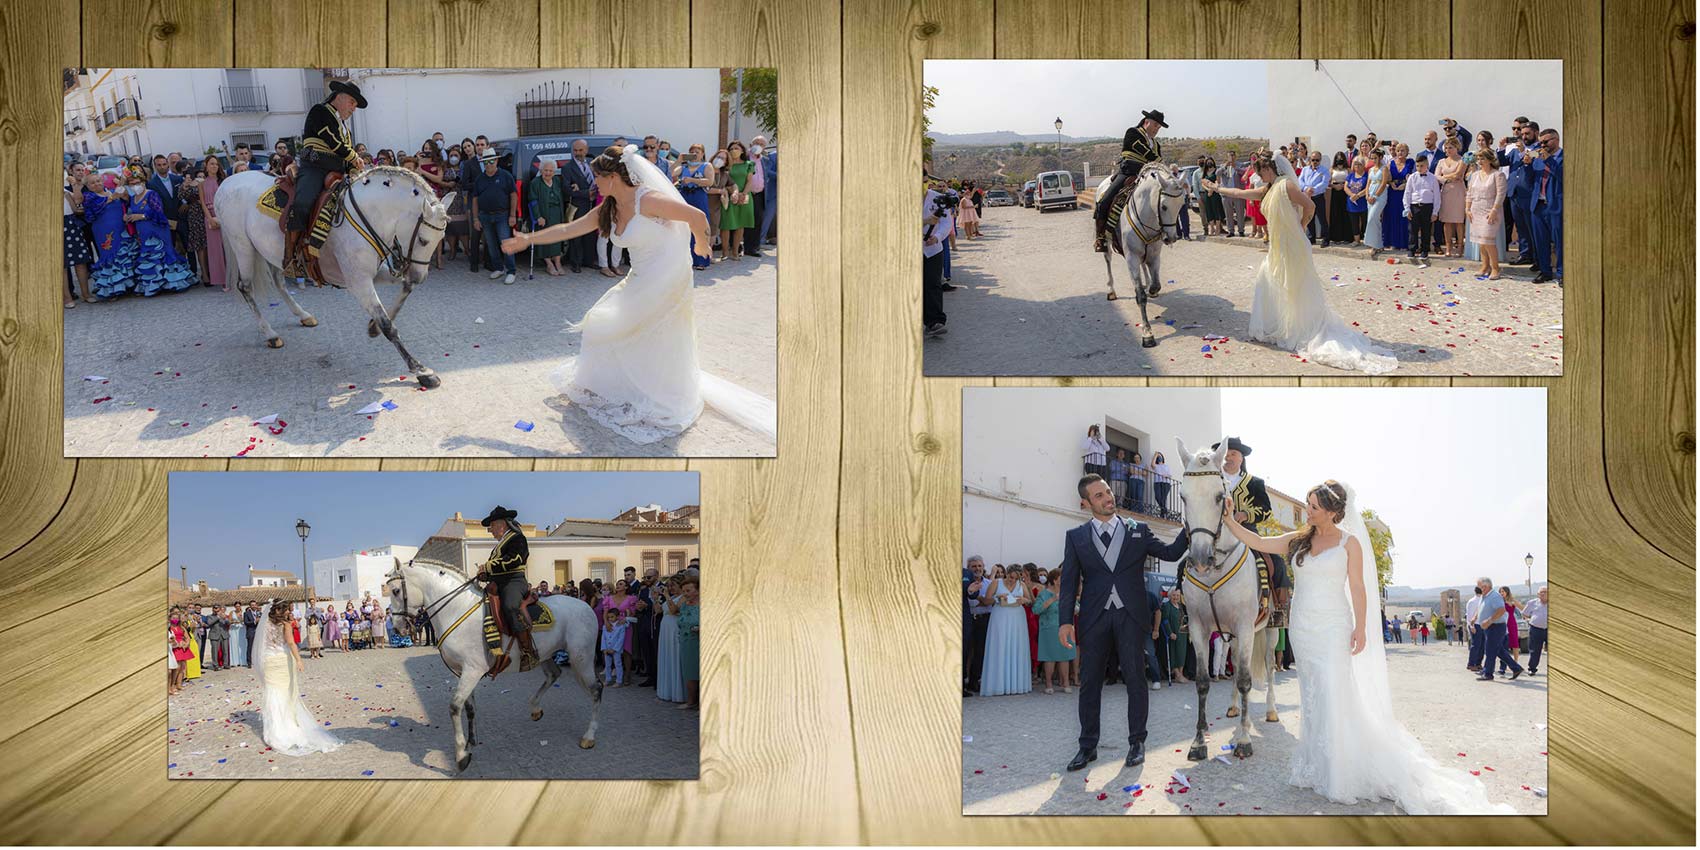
1288	308
636	372
1350	746
288	727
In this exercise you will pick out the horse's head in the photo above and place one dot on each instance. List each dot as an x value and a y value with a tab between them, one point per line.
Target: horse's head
433	225
399	594
1202	492
1170	197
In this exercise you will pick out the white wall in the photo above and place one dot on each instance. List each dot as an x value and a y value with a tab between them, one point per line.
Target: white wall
545	551
1021	458
681	105
1404	99
366	572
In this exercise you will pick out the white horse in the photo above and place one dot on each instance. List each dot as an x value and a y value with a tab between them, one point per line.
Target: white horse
394	205
455	607
1219	583
1150	220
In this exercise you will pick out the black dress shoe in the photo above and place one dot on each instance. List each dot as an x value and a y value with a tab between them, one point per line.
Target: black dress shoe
1136	755
1083	758
1515	674
949	288
1543	278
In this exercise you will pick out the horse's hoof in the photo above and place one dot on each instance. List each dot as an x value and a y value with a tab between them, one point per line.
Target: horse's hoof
430	382
1197	754
1153	292
1111	297
309	322
275	342
1242	750
1271	717
1233	712
537	714
586	743
1148	342
372	329
464	761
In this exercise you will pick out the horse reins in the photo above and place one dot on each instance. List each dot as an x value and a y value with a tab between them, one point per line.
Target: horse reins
386	255
1215	535
1138	226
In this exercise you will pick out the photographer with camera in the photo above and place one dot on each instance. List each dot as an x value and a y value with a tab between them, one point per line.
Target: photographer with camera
938	210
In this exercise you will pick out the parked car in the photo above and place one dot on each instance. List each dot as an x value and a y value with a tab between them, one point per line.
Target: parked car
1027	193
999	198
520	156
1055	191
109	164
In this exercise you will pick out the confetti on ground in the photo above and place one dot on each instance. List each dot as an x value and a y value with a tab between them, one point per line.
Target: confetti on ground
524	425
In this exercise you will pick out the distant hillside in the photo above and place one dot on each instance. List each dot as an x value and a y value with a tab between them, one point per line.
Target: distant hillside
1015	162
999	137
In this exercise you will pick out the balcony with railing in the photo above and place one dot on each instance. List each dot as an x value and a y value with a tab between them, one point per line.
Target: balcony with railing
311	95
123	111
243	98
1149	495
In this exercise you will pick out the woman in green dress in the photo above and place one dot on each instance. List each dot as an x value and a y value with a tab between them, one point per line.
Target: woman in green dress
690	631
740	211
1174	632
1051	649
546	203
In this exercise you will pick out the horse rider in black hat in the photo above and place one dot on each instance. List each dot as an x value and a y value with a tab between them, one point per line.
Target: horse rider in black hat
1139	148
325	147
1252	506
506	568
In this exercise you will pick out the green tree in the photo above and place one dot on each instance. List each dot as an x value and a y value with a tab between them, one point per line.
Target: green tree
1382	543
929	94
1017	148
1210	146
761	96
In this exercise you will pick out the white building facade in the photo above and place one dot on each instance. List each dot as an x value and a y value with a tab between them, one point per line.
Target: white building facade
1021	460
159	110
406	106
1403	99
356	575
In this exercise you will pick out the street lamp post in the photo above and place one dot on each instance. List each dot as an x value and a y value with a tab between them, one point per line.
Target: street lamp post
1529	573
301	530
1059	137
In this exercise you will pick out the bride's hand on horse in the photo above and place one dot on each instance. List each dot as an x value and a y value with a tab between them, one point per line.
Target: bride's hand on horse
1228	507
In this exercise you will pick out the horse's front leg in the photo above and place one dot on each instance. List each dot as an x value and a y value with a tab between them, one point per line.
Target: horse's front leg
1242	696
462	697
368	295
406	290
1141	294
1201	681
1110	277
1154	262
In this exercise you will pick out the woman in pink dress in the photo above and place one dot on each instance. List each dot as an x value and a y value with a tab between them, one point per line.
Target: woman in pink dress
1510	621
966	214
1483	203
212	171
626	604
1451	172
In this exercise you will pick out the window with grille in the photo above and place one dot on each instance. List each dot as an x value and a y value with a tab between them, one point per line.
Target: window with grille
554	109
651	561
675	561
563	573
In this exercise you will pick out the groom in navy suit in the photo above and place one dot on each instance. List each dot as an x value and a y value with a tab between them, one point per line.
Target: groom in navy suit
1104	562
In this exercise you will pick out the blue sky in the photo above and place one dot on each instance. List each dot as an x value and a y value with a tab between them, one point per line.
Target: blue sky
1198	98
220	522
1458	473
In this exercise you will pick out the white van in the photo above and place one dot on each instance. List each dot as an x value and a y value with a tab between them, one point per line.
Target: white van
1055	190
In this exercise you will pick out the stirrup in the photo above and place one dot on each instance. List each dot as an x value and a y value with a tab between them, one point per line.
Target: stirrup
527	662
1100	244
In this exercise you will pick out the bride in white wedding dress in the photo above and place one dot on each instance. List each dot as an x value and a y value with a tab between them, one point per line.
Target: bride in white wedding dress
1288	308
636	371
287	725
1350	746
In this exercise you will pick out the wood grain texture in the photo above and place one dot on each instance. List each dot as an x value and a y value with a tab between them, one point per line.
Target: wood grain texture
831	713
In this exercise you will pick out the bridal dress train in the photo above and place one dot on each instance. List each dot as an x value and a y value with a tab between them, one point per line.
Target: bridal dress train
1351	748
1288	308
288	727
636	372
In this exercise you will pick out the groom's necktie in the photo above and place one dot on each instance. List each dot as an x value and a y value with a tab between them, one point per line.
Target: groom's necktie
1104	536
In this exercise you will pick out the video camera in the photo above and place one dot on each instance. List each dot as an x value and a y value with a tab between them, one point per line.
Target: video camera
945	202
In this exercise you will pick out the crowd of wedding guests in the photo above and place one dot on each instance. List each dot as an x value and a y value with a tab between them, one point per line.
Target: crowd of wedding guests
1010	642
651	630
1501	629
149	227
1461	196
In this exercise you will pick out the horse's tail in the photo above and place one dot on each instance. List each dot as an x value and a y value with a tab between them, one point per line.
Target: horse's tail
1262	658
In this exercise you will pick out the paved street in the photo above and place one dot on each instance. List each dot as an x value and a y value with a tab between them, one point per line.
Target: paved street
391	709
1032	302
188	373
1015	762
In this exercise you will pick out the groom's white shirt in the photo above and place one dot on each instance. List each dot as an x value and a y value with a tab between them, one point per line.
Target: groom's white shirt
1110	552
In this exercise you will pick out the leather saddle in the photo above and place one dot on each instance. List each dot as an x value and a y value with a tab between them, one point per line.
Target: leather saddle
534	613
285	185
318	222
1117	204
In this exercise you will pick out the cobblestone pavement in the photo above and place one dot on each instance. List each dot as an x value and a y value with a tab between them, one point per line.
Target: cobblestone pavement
1032	302
188	372
391	709
1015	762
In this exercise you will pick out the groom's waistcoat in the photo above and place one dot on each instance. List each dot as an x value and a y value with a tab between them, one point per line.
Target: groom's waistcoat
1086	574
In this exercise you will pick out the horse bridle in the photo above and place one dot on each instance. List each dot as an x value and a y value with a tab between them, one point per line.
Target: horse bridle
385	254
429	611
1216	534
1161	224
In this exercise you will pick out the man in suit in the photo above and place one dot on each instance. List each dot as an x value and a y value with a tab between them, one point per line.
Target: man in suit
251	624
1517	184
581	194
1229	177
1104	565
759	195
975	589
164	183
1252	506
770	173
1545	173
218	635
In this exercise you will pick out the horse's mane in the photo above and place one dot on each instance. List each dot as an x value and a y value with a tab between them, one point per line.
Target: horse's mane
397	172
432	562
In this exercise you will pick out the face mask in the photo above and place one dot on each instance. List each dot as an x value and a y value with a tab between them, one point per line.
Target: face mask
719	162
756	150
136	191
454	160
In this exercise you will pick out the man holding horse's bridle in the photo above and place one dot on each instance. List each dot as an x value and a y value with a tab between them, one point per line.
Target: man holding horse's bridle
325	147
1252	506
506	568
1139	148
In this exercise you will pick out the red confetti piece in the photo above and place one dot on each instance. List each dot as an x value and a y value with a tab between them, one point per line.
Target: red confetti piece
102	398
1543	752
150	410
1103	796
1475	773
1128	805
1485	767
1525	788
1460	755
978	772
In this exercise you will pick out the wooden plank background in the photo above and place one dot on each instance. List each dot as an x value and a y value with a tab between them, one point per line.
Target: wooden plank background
831	711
